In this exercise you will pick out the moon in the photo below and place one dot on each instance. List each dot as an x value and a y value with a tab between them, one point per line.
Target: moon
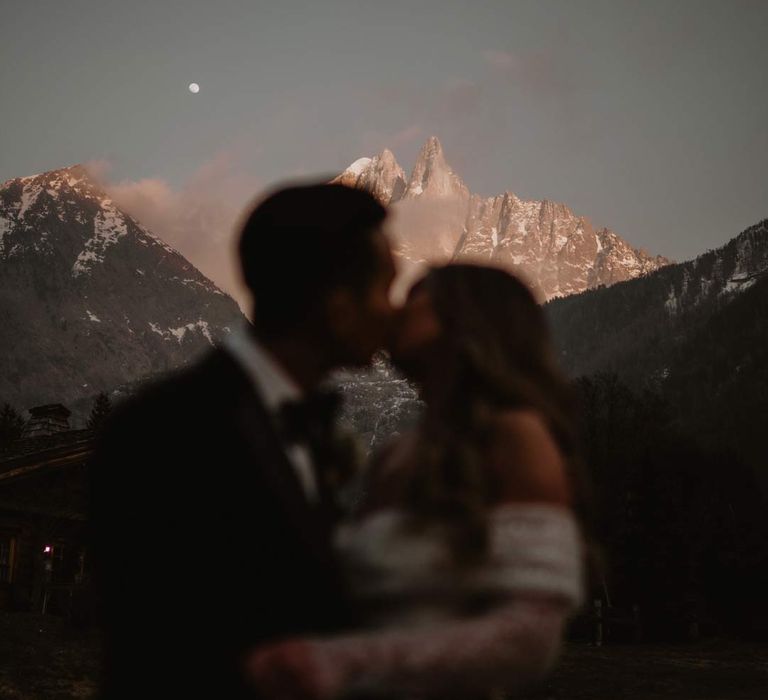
194	88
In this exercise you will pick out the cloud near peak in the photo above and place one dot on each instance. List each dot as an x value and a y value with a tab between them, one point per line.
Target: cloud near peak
199	218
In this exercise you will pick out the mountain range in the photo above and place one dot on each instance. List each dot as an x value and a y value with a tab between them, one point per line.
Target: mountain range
696	332
89	298
635	329
556	251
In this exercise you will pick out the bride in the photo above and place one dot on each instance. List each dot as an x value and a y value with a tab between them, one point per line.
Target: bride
466	556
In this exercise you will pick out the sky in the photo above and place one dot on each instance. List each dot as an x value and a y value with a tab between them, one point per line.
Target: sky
650	118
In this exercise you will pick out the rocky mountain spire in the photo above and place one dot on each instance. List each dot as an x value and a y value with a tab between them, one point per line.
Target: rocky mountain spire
432	176
380	175
556	251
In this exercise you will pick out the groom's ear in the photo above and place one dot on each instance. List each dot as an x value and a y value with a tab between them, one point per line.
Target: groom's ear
341	310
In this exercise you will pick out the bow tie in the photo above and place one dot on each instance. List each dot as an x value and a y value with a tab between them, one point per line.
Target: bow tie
309	420
312	422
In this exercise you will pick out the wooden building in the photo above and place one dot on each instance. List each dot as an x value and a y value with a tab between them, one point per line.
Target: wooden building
43	507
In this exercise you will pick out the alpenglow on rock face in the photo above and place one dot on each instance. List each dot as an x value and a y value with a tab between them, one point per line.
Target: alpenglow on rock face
89	298
380	175
558	252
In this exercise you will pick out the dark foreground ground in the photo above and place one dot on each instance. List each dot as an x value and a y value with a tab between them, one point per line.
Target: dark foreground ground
43	659
708	670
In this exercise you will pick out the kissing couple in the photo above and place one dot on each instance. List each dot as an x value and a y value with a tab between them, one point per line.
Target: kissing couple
227	563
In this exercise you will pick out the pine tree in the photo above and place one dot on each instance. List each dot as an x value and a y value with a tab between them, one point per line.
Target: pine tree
101	408
11	424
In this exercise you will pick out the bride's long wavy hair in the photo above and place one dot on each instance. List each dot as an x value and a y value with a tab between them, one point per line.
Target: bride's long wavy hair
497	354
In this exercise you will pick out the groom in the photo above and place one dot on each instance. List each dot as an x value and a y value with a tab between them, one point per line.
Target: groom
211	510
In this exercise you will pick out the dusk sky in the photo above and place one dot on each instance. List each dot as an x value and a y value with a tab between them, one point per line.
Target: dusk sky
650	118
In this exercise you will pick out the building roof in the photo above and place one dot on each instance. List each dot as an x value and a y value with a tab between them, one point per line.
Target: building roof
23	457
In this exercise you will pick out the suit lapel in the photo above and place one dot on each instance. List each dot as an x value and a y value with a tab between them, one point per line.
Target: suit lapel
268	455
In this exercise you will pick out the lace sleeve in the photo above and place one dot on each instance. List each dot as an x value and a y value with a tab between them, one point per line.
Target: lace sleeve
533	572
535	548
506	649
427	645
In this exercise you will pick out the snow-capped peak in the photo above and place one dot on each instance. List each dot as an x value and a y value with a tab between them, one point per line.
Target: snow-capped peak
557	251
32	208
359	166
381	175
80	276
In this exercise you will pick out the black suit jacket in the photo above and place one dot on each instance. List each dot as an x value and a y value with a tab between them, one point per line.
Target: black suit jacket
204	543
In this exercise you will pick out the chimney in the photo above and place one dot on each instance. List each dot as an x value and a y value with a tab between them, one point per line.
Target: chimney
46	420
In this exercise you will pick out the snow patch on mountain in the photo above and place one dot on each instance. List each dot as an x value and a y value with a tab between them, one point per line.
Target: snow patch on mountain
5	227
205	284
180	332
108	227
29	196
359	166
739	283
724	272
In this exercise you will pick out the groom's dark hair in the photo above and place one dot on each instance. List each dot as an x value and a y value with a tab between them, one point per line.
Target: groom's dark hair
303	241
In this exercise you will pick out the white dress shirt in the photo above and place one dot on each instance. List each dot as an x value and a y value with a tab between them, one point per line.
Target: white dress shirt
274	386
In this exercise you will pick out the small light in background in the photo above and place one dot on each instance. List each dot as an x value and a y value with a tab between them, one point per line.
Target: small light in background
47	549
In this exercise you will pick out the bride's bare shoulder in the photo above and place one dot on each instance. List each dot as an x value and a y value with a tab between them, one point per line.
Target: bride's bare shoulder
397	454
388	471
526	460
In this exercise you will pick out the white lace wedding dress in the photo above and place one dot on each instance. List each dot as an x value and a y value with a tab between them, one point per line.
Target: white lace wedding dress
435	630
